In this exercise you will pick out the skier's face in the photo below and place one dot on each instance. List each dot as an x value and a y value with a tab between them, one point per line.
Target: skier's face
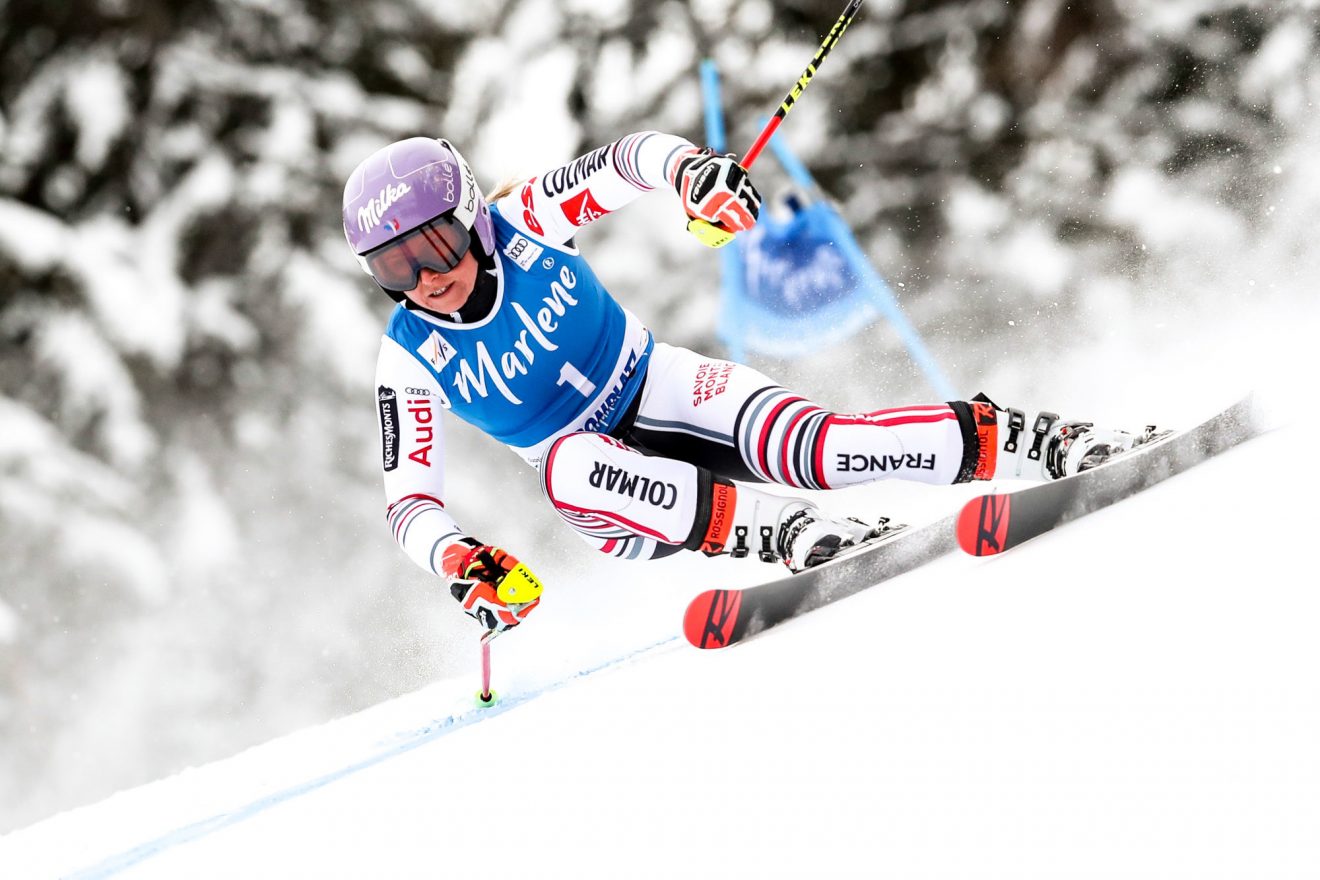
445	291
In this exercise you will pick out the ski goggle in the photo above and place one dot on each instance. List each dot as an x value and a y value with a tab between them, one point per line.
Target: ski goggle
438	244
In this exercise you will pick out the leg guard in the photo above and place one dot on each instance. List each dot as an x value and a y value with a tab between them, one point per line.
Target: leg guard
622	502
643	507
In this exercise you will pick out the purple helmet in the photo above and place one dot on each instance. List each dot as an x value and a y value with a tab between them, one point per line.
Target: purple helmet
406	185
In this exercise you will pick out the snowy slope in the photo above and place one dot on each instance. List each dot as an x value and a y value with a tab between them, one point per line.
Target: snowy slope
1132	696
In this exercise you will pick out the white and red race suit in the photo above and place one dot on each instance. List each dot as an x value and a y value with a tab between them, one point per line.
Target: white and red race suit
575	385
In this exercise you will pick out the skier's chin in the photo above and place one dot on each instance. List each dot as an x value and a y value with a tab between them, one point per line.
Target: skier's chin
450	300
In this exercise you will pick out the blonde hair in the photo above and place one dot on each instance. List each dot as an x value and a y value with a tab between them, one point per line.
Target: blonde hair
506	186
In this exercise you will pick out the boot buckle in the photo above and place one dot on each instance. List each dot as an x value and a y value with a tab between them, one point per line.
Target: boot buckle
1041	429
739	542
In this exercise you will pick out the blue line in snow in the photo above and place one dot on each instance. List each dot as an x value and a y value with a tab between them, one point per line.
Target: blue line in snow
197	830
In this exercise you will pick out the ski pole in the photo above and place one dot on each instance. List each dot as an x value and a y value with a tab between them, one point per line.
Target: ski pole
486	697
708	233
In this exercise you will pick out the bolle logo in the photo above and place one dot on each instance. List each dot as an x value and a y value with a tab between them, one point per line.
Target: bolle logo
470	190
448	171
389	426
616	479
370	214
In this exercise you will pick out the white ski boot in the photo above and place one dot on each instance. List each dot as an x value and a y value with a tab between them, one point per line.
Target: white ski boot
791	530
1049	448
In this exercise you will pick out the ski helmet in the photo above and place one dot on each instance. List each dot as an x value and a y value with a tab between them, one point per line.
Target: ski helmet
414	204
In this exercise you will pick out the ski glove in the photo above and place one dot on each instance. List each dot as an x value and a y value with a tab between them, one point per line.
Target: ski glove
493	587
716	189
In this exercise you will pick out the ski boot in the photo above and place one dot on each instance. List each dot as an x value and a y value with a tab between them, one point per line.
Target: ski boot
793	531
1050	448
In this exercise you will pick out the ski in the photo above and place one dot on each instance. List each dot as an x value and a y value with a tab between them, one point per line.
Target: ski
719	618
1000	521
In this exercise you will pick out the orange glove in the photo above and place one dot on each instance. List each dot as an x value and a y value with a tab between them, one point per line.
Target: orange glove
494	588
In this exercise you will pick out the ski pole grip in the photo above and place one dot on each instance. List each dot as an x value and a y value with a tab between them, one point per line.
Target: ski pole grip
519	586
709	234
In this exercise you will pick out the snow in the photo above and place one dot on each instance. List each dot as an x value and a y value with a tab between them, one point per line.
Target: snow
97	99
1130	696
284	601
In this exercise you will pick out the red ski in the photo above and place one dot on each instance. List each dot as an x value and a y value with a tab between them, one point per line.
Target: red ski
719	618
1000	521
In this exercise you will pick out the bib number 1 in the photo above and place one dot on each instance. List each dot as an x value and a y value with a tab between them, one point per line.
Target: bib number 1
570	375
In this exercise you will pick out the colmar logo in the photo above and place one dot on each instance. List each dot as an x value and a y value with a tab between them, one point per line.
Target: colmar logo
616	479
370	214
569	176
582	209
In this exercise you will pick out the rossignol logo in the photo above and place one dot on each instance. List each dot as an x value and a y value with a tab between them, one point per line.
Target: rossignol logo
616	479
388	401
987	441
723	502
370	214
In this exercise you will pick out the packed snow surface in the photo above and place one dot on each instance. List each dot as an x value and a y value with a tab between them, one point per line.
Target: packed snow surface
1133	695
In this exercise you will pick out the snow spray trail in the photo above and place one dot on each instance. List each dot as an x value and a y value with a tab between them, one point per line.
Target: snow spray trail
128	858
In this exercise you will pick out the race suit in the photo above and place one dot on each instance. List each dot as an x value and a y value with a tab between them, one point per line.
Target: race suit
557	357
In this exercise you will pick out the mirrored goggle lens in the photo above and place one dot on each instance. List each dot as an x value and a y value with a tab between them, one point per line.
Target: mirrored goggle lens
438	245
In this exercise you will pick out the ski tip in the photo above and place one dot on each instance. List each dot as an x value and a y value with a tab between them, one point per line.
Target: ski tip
983	525
711	617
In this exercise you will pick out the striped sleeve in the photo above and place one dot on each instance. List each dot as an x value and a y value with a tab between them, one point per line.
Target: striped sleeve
424	529
553	206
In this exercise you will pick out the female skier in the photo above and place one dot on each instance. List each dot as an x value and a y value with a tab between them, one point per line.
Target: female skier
638	443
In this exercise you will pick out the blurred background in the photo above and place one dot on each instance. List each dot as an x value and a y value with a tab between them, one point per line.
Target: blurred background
193	554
